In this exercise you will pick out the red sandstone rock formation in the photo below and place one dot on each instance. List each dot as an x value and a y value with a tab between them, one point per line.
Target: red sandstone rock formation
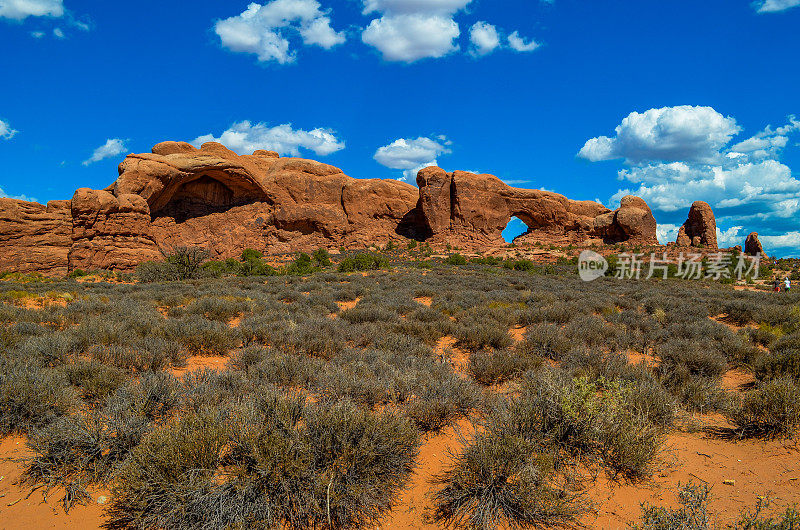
34	237
179	195
752	245
467	209
700	229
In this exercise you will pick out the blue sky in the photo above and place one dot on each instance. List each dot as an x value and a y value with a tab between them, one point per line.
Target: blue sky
675	101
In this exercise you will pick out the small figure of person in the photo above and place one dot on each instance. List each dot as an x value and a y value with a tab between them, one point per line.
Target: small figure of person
776	285
787	284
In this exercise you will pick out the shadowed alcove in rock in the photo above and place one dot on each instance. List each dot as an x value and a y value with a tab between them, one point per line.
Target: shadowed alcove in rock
204	195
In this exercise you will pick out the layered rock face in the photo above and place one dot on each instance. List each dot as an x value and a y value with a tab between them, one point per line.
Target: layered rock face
700	229
752	245
211	197
35	237
468	209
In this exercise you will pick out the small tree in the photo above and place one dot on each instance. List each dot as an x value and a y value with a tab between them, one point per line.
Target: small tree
187	262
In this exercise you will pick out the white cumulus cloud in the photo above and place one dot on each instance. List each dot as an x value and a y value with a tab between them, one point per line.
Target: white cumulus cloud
112	147
4	195
411	30
6	132
666	134
517	43
265	30
411	155
484	38
774	6
22	9
746	183
409	38
244	138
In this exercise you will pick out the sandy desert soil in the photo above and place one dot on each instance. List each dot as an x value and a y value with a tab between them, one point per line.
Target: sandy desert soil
757	468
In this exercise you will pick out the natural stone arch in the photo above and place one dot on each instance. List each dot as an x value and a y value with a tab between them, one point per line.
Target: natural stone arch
211	191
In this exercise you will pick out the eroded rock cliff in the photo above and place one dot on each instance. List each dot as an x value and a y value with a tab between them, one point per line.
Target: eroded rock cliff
179	195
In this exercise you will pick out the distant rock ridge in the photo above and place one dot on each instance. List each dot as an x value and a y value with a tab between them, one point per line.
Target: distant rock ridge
179	195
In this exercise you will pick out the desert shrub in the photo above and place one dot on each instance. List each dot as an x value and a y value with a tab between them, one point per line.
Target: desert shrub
187	261
554	313
777	364
184	263
366	312
500	481
682	360
150	490
761	335
440	397
544	340
217	269
50	349
356	451
363	262
254	267
155	271
692	515
772	410
491	367
364	388
200	336
789	519
70	452
146	355
95	380
287	369
318	337
700	394
595	420
217	308
475	334
248	357
591	331
31	396
519	265
286	465
455	259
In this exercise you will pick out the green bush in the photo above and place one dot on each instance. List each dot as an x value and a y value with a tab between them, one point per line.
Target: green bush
455	259
363	262
250	254
302	265
322	257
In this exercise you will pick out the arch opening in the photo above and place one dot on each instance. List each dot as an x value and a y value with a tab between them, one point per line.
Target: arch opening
204	195
515	228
